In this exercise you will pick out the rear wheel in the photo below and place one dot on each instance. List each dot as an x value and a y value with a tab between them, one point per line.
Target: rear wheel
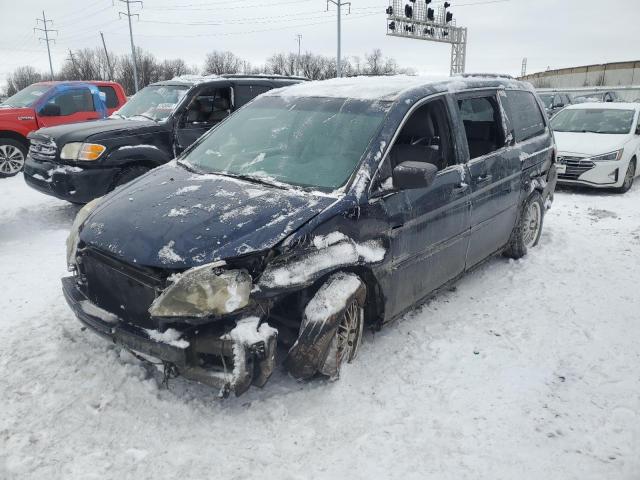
529	228
629	177
12	157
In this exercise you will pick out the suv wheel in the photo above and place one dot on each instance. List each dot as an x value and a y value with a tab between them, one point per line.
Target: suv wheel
629	177
12	157
325	344
129	174
529	228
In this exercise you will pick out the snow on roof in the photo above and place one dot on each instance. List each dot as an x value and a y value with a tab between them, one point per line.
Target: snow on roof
605	105
194	78
377	87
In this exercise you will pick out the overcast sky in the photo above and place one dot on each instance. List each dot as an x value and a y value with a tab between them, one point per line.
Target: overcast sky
550	33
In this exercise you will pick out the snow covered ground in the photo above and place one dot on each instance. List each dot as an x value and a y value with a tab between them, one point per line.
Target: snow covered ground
526	370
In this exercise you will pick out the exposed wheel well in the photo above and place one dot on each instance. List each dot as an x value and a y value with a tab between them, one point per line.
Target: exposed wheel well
15	136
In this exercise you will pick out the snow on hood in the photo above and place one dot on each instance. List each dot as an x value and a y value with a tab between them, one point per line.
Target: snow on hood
589	144
172	218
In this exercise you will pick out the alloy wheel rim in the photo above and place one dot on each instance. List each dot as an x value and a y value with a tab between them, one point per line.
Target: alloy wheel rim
11	159
349	332
532	224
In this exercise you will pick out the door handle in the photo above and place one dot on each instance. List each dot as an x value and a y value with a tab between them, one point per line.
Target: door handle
460	189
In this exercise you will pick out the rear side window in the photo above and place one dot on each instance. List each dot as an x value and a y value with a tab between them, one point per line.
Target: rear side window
112	97
526	116
482	125
74	101
246	93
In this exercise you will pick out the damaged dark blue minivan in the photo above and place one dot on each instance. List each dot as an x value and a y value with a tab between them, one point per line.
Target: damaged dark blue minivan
312	212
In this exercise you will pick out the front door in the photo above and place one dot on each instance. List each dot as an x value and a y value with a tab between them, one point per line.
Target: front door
429	226
495	174
68	106
207	108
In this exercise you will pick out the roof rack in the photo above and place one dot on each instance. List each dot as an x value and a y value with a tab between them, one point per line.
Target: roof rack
263	75
491	75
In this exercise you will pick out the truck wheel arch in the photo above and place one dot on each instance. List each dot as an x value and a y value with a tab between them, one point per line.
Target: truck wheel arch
15	136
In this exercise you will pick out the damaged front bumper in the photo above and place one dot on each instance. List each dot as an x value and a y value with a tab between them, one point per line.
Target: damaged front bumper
231	360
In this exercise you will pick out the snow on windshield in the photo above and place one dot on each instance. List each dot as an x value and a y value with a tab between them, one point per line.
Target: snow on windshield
593	120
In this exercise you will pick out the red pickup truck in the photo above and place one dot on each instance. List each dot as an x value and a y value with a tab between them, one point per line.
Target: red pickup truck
46	104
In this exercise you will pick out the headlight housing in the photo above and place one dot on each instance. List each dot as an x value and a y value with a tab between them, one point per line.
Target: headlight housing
74	233
203	291
86	152
608	157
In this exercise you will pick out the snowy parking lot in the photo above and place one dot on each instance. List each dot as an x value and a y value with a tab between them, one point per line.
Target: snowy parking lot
526	369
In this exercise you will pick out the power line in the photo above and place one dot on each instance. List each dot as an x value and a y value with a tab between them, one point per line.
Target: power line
133	48
45	28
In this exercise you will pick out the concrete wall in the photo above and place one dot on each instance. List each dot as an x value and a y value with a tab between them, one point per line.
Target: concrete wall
609	74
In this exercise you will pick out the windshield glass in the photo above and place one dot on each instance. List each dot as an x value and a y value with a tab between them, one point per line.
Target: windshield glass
546	99
594	120
309	142
26	97
155	102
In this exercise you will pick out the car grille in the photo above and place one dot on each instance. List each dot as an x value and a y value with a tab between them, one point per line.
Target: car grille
576	166
43	149
118	287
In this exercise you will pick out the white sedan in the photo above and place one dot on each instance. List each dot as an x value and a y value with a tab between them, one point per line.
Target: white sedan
598	144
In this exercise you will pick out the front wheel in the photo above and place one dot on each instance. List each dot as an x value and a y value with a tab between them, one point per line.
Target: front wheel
628	178
12	157
529	228
331	328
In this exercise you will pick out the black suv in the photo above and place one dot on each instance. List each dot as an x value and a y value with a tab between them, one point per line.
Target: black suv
315	210
79	162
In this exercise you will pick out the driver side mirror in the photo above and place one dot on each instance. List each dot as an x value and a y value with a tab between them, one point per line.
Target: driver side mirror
50	110
411	175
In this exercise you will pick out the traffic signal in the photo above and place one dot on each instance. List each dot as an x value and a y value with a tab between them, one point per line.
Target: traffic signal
430	14
389	10
408	11
409	28
446	5
429	31
428	1
449	17
392	26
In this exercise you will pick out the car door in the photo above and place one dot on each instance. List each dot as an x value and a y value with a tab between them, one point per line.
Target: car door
68	106
495	174
428	226
208	107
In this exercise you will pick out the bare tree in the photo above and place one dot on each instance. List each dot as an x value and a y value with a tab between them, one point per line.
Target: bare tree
169	69
217	63
22	77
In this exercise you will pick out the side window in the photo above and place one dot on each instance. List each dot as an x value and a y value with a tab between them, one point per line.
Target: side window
482	125
526	116
425	137
209	106
112	97
246	93
74	101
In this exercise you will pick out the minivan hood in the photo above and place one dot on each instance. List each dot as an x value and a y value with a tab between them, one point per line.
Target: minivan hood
589	144
173	218
98	129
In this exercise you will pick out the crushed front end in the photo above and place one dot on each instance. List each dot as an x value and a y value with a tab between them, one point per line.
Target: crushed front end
229	347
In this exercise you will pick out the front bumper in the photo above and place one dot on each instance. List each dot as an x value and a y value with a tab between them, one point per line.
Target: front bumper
593	174
71	183
247	356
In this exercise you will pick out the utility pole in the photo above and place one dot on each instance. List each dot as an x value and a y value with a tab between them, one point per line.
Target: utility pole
299	40
339	4
106	54
524	67
133	48
75	67
45	28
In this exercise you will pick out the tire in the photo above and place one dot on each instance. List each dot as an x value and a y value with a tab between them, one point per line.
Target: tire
128	174
12	157
325	344
529	228
629	177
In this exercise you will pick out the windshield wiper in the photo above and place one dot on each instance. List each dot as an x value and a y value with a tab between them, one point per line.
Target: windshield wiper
143	116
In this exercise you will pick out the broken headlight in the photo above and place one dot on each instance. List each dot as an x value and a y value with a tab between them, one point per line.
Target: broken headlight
74	233
203	291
